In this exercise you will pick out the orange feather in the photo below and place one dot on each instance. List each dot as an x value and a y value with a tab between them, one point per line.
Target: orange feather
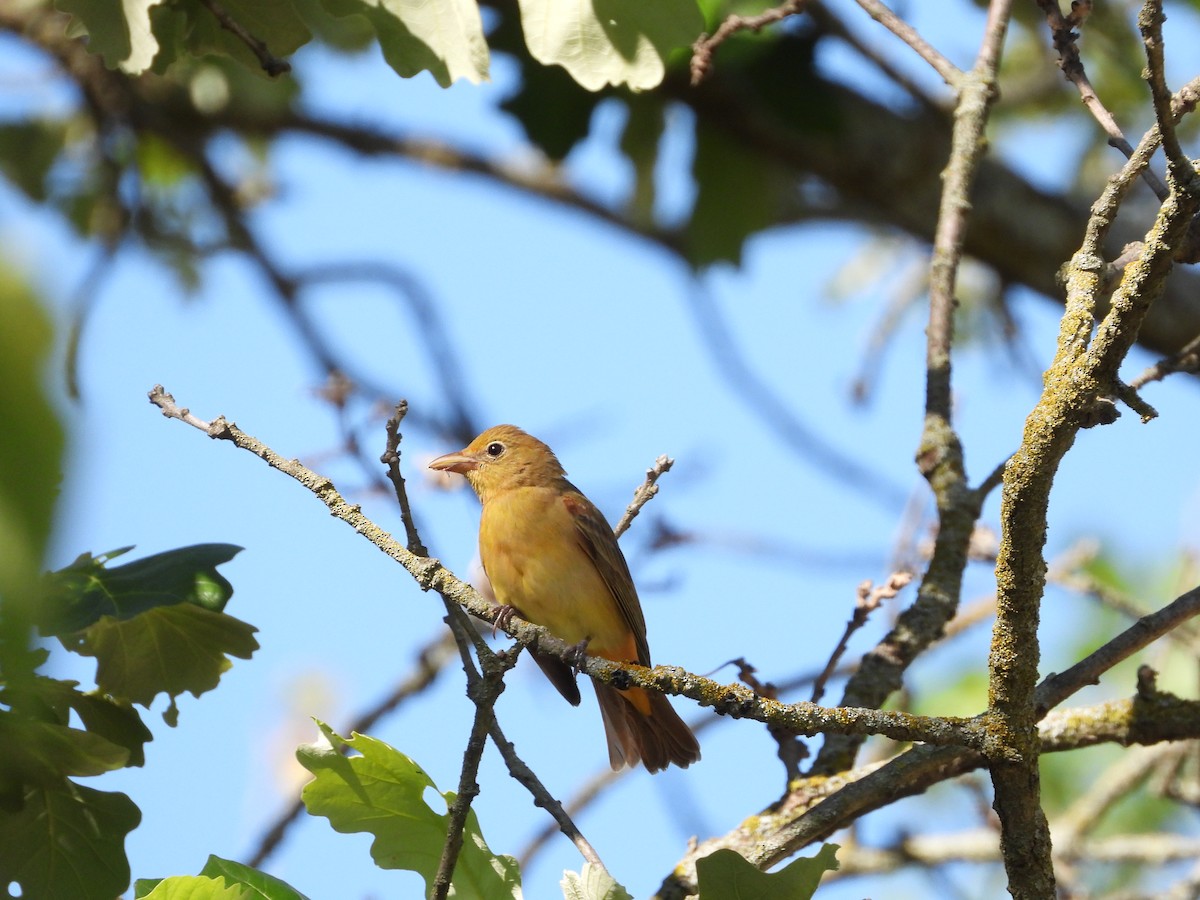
552	557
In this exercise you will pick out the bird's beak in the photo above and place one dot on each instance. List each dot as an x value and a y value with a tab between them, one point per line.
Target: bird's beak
455	462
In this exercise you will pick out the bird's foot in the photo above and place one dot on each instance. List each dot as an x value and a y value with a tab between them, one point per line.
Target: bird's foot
577	656
503	615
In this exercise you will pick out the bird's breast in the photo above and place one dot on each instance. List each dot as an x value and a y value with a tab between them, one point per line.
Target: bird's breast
531	550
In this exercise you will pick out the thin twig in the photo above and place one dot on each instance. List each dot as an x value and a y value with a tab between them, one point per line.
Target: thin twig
1186	360
271	64
542	798
1057	687
706	45
644	493
940	454
878	11
1150	21
1062	30
484	690
391	459
833	25
868	600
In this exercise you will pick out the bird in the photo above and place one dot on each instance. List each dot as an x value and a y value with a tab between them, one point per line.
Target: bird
553	559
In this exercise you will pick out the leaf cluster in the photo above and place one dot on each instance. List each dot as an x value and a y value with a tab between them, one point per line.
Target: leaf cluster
154	626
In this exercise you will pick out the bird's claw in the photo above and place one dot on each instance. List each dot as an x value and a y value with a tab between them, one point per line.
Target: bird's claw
577	655
503	615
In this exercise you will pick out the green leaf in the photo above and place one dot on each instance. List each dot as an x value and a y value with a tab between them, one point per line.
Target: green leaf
381	792
169	649
68	841
443	37
193	887
117	721
186	28
79	595
43	753
727	875
265	886
51	701
619	42
32	446
737	196
118	30
552	108
220	879
593	883
27	150
349	34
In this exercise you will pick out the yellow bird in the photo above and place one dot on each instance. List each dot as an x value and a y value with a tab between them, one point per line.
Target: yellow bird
552	558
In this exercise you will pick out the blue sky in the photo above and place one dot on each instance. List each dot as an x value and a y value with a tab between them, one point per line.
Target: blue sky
586	338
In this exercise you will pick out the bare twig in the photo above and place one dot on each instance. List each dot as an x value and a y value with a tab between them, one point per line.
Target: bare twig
391	459
1057	687
484	690
792	750
879	11
1150	21
1062	29
867	601
940	454
706	45
831	23
645	492
1186	360
543	798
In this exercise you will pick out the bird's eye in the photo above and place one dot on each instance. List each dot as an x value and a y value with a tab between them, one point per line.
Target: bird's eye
494	449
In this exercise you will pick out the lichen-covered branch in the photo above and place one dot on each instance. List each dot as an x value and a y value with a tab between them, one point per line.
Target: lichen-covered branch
1083	372
940	455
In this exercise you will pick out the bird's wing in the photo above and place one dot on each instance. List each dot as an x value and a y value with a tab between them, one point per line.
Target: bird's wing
599	543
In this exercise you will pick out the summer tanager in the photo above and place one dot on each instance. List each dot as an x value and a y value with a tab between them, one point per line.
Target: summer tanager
553	559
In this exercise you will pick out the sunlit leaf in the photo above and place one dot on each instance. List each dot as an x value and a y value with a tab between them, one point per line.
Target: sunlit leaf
550	105
593	883
442	37
193	887
265	886
382	792
619	42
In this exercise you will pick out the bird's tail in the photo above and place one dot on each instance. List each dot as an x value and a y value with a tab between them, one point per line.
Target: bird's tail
642	725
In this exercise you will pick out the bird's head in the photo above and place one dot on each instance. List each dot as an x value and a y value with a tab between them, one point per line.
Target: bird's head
502	458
